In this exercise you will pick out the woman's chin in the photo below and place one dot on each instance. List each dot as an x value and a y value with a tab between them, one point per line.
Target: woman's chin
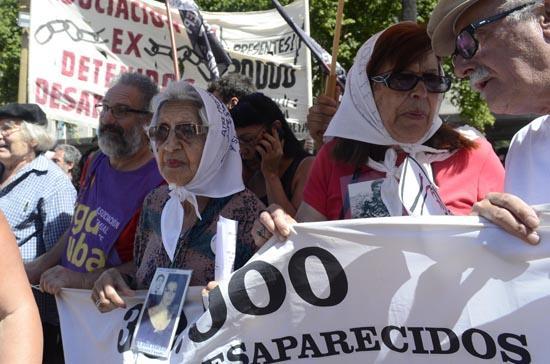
173	177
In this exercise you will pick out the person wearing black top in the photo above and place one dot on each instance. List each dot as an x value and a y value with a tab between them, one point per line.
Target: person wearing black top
275	165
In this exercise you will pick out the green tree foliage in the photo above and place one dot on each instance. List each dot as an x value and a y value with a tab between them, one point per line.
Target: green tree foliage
10	48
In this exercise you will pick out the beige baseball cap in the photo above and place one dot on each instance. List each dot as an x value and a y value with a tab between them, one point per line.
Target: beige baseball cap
441	27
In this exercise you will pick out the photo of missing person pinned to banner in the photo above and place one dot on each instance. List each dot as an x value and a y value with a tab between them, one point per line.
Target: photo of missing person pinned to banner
160	315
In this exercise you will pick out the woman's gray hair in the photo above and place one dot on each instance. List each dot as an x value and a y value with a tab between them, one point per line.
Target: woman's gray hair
178	91
37	134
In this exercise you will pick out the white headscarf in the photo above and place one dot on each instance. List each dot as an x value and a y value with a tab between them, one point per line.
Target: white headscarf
220	169
358	118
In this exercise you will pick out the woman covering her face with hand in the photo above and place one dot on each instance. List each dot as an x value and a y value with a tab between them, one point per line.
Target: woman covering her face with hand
390	110
197	152
276	166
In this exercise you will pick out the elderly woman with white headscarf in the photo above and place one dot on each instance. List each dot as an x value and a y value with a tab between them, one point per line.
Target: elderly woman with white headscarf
389	111
197	151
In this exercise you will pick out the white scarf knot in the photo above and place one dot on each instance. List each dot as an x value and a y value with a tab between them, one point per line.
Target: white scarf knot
173	215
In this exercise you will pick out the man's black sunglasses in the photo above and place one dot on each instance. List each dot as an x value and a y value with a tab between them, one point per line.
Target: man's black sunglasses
402	81
466	44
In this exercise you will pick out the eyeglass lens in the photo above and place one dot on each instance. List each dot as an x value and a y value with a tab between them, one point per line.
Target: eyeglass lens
407	81
184	132
466	45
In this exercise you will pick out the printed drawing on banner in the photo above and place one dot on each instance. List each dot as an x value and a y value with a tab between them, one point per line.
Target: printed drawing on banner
418	193
160	314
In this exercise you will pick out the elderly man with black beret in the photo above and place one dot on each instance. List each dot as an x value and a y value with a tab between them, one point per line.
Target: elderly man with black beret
35	195
503	47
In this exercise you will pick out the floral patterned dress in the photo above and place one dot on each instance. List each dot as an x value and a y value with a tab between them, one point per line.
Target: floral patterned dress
196	245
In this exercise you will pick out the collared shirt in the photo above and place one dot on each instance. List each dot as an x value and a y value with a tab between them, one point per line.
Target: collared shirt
38	202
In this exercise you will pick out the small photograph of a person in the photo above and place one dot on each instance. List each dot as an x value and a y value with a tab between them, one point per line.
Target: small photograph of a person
158	287
156	327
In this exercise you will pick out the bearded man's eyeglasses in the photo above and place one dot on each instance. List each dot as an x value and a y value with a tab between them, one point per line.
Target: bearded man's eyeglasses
118	111
466	44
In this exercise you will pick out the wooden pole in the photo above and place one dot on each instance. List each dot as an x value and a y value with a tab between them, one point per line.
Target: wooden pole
173	41
24	7
330	87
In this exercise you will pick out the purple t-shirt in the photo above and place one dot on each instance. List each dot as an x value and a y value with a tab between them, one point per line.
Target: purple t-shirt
106	203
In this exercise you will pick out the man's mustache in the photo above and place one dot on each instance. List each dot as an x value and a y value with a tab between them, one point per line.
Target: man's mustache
111	129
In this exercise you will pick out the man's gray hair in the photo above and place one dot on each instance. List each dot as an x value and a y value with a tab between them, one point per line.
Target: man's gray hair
71	153
529	13
178	91
142	83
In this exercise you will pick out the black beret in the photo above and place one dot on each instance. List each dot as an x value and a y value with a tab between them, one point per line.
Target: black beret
31	113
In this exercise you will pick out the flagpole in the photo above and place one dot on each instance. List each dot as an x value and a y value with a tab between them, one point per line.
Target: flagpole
330	88
24	7
173	41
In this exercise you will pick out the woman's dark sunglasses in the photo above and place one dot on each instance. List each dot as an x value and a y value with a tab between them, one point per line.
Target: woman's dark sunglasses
186	133
401	81
466	44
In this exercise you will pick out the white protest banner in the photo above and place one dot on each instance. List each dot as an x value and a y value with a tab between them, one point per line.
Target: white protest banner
384	290
93	337
77	47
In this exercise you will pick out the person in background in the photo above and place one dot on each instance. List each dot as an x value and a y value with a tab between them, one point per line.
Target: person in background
503	47
196	147
35	196
67	157
20	331
390	110
117	180
231	87
91	149
275	165
319	116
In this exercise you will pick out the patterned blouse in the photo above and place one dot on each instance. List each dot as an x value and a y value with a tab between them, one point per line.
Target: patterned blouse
194	249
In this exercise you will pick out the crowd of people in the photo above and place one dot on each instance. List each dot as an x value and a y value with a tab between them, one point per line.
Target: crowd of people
191	156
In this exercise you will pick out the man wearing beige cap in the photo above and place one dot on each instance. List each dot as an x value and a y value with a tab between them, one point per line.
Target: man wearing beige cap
503	47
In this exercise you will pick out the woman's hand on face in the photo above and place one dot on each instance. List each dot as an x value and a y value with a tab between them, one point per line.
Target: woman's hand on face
272	221
270	148
105	293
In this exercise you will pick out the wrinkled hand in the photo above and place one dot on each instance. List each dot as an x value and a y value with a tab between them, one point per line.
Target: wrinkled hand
511	213
107	287
59	277
319	116
272	221
270	148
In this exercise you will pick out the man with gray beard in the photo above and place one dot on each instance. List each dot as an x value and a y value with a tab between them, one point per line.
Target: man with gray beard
114	184
503	47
